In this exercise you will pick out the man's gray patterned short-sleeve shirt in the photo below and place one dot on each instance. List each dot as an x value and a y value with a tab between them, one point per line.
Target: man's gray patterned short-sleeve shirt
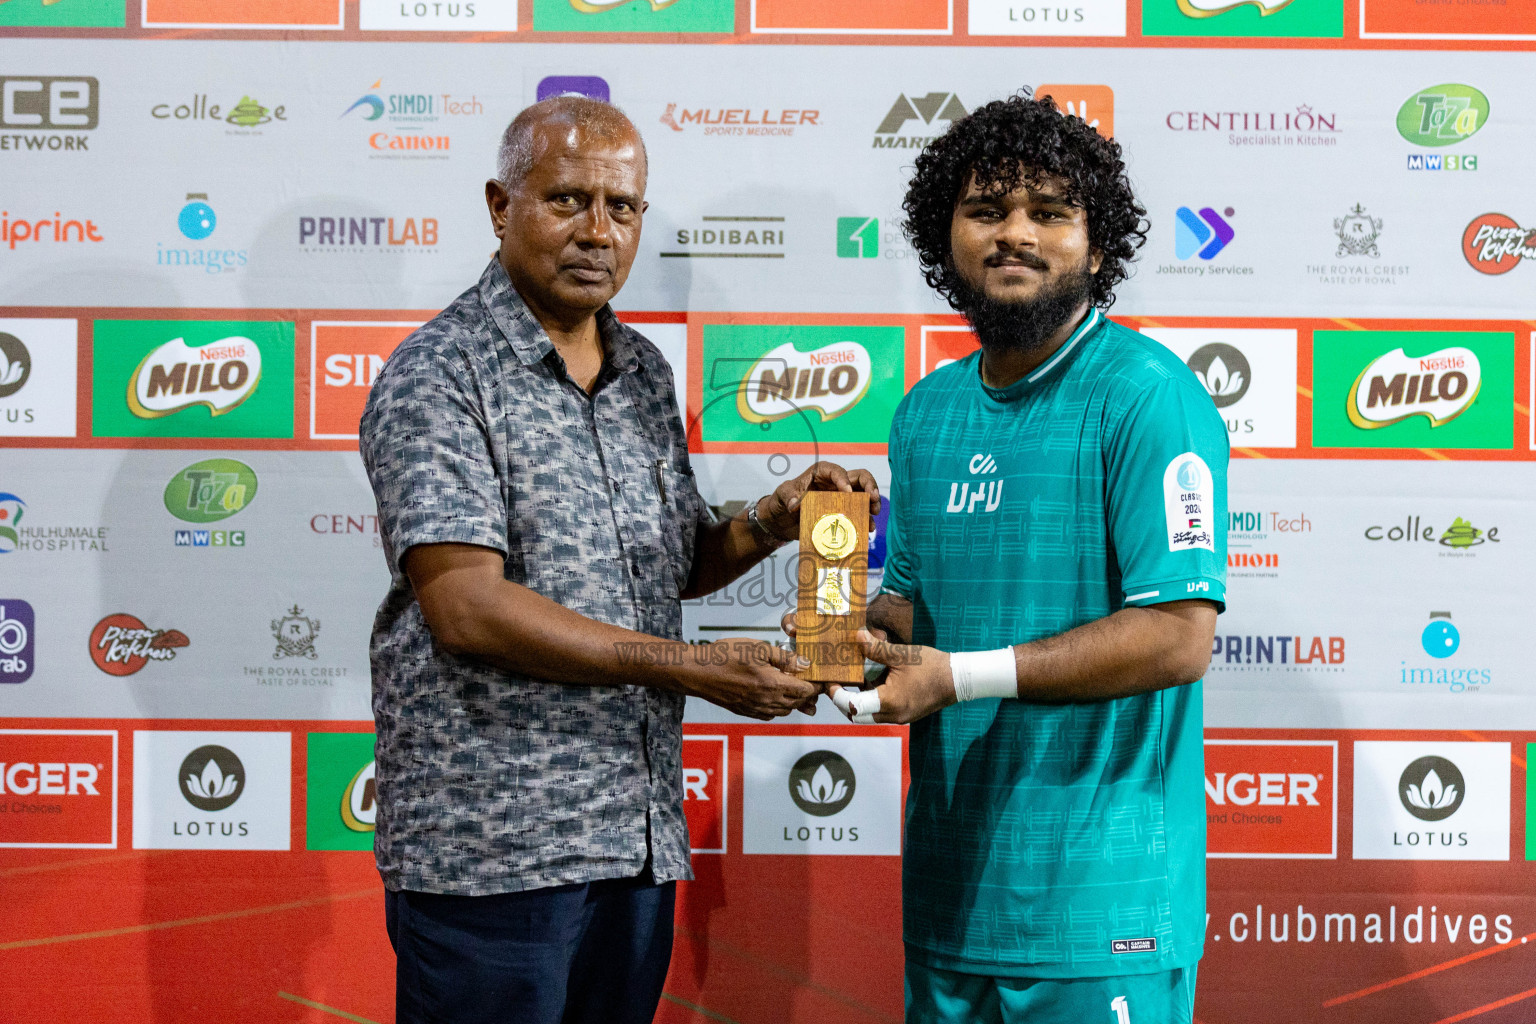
490	782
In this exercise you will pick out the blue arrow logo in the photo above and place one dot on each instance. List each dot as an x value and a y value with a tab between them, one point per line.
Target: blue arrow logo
1204	234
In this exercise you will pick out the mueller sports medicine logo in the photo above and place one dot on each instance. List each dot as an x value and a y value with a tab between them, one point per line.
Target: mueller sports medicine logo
1438	386
175	376
18	640
1271	798
972	496
368	234
405	125
913	122
58	788
1496	244
738	120
785	381
121	644
47	111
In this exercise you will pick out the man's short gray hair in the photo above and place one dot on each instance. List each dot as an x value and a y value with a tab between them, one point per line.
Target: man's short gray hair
515	157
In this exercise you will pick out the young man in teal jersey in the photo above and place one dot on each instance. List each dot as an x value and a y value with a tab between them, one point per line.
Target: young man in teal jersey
1055	563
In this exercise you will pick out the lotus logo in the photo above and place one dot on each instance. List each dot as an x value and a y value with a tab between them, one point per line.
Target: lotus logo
359	803
1431	789
176	376
786	381
211	778
211	490
821	783
15	365
1224	372
1439	386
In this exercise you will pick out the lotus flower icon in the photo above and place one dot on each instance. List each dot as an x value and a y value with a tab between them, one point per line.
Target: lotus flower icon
10	372
1223	371
212	784
15	364
212	778
821	783
1219	381
1431	794
821	789
1432	788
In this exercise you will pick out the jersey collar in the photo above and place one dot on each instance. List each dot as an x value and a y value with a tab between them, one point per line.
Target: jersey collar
1053	366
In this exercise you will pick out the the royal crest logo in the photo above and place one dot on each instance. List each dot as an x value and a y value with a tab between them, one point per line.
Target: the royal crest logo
121	644
295	634
1357	233
1495	244
1439	386
176	376
786	381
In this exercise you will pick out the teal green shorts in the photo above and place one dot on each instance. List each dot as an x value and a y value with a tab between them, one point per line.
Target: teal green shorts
937	996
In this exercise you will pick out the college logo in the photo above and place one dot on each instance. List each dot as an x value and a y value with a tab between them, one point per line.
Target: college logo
1442	115
65	106
295	634
1460	536
14	232
1204	234
705	795
912	123
64	14
858	238
1271	798
1495	244
1425	800
341	795
1093	104
174	378
211	490
211	790
822	794
18	640
1269	18
1406	389
737	120
634	15
58	787
121	644
438	16
244	115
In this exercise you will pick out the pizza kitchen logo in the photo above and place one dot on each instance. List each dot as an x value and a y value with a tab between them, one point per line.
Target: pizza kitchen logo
785	381
122	644
1496	244
1439	386
176	376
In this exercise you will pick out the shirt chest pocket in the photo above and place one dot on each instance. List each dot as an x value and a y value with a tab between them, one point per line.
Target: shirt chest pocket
680	509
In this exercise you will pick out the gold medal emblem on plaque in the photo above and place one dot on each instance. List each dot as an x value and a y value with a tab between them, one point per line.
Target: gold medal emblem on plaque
834	536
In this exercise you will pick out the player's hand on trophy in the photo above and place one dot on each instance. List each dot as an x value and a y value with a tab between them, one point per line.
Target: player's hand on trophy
779	512
917	682
748	677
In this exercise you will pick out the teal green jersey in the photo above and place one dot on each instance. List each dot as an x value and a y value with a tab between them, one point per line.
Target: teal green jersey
1048	840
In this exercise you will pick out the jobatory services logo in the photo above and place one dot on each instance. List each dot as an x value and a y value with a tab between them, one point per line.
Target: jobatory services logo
706	800
48	112
18	640
1094	104
1431	800
58	788
1439	116
822	795
1441	641
341	794
211	790
1297	19
121	644
730	236
914	121
64	14
1273	799
38	359
634	15
437	15
1082	18
590	86
1200	236
1413	389
800	384
1250	374
16	231
345	359
246	116
410	125
192	378
196	221
739	121
1495	244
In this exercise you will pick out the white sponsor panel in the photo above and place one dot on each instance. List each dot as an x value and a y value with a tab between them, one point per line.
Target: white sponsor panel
1417	800
211	790
1021	18
1188	503
822	795
437	15
38	385
1250	374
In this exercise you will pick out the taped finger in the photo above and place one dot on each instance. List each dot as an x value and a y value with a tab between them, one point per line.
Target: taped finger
864	706
842	698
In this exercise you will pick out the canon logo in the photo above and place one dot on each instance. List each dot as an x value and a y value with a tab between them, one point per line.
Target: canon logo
48	778
1272	789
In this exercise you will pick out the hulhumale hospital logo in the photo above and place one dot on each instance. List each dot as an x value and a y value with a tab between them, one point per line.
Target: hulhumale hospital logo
12	509
822	783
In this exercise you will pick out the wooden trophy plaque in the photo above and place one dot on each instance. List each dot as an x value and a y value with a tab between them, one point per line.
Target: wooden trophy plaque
834	564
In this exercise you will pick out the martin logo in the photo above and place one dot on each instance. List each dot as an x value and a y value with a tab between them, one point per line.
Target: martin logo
1439	386
927	111
211	778
786	381
967	495
822	783
1495	244
1188	503
176	376
121	644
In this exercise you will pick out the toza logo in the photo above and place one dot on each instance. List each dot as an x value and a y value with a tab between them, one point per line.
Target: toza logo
121	644
211	778
785	381
211	490
821	783
1431	788
926	110
295	634
1439	386
1357	233
1224	372
175	376
1442	115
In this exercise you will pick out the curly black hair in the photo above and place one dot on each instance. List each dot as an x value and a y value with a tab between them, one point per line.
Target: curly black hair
1015	141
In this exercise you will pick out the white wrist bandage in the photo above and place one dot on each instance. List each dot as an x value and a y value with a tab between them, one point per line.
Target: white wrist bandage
984	674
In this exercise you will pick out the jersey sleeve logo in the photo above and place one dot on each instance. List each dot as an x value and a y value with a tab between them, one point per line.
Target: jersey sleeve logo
1187	501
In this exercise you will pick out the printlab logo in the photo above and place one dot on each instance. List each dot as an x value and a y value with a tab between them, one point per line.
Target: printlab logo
295	634
1224	371
1438	116
211	778
403	122
1432	789
15	365
121	644
822	783
858	238
743	236
245	116
1496	244
196	221
913	122
58	108
1204	234
402	235
18	640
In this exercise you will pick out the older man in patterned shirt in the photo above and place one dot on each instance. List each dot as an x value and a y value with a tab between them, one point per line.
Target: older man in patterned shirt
542	525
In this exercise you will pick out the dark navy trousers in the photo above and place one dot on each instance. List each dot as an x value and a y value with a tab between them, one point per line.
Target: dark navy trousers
593	953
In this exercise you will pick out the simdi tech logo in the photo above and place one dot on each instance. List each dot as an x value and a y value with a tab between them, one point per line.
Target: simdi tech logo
211	790
58	788
634	15
403	125
1413	389
48	111
1439	116
192	378
1297	19
341	800
1431	800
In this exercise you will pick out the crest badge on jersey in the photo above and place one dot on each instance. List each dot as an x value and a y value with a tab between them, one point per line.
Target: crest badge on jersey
1188	502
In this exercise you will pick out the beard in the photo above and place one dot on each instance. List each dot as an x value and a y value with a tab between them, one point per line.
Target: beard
1024	325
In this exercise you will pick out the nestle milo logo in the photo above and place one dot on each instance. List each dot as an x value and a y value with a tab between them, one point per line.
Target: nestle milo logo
211	490
1442	115
176	376
785	381
1392	387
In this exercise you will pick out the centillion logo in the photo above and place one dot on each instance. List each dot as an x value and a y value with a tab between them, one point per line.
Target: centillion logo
1439	386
